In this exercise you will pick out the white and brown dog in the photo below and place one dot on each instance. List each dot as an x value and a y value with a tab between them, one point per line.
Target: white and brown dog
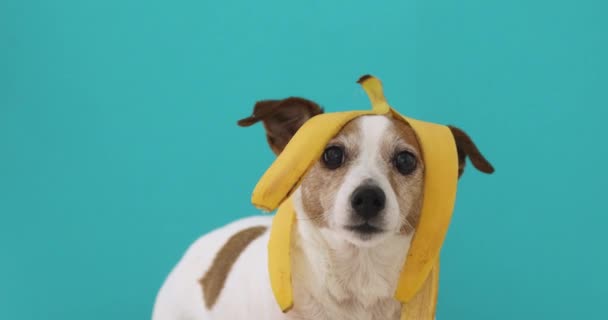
357	210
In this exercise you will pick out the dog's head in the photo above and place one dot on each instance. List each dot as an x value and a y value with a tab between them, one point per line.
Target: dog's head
368	183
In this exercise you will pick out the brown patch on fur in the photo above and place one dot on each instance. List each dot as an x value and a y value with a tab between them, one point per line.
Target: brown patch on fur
281	118
214	279
320	185
408	188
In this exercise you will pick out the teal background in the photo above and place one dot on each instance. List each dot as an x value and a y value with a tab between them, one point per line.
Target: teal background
118	142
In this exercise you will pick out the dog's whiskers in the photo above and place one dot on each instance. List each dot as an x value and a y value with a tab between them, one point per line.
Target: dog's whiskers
313	219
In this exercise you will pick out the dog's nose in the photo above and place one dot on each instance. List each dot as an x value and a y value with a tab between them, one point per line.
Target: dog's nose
368	201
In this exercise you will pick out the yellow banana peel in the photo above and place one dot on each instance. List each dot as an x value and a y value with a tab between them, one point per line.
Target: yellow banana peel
418	282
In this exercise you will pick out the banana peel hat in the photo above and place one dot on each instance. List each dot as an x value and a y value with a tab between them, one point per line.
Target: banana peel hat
417	286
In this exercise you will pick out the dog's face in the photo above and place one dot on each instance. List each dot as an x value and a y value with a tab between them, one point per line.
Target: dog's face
368	183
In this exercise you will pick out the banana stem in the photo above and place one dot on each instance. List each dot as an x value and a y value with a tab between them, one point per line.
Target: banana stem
373	88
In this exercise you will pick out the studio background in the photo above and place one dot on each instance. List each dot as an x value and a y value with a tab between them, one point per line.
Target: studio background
119	144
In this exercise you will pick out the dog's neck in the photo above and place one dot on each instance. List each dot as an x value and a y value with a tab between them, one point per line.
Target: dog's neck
332	274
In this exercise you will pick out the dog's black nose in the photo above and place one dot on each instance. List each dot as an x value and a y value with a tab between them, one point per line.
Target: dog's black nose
368	201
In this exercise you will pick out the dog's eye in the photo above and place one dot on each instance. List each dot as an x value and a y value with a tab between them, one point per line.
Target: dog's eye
333	157
405	162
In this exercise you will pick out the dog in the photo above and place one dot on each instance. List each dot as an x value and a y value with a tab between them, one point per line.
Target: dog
357	209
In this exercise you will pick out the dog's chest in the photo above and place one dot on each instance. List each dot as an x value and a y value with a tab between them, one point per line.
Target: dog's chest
386	309
341	283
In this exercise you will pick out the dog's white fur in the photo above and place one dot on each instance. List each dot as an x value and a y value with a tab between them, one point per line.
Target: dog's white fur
336	274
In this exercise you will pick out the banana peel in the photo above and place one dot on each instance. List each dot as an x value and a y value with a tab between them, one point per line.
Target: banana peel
418	282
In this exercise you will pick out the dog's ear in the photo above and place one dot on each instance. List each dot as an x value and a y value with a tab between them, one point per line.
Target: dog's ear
467	148
281	118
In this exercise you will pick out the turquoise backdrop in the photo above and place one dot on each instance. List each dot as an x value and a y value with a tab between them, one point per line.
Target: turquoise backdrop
119	147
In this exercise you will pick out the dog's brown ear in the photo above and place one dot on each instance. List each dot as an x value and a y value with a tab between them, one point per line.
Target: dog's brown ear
467	148
281	118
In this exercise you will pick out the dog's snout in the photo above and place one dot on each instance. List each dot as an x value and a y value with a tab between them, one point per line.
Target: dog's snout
368	201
